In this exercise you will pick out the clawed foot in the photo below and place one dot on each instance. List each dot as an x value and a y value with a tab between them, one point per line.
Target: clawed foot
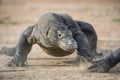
100	66
15	63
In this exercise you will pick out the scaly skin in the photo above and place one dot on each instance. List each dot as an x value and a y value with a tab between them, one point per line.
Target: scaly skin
58	35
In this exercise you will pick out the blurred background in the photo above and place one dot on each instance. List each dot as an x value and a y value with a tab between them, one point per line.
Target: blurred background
104	15
15	15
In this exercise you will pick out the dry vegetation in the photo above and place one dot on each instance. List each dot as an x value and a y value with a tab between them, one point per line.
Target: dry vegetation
15	15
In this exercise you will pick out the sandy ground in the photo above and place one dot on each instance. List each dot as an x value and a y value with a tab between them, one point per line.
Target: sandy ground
15	15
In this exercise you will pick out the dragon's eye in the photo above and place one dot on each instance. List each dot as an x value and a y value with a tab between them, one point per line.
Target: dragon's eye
59	34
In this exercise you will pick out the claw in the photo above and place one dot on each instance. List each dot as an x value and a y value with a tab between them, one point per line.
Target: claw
101	67
14	63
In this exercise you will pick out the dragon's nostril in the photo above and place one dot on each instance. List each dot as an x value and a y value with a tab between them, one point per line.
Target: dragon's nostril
70	43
